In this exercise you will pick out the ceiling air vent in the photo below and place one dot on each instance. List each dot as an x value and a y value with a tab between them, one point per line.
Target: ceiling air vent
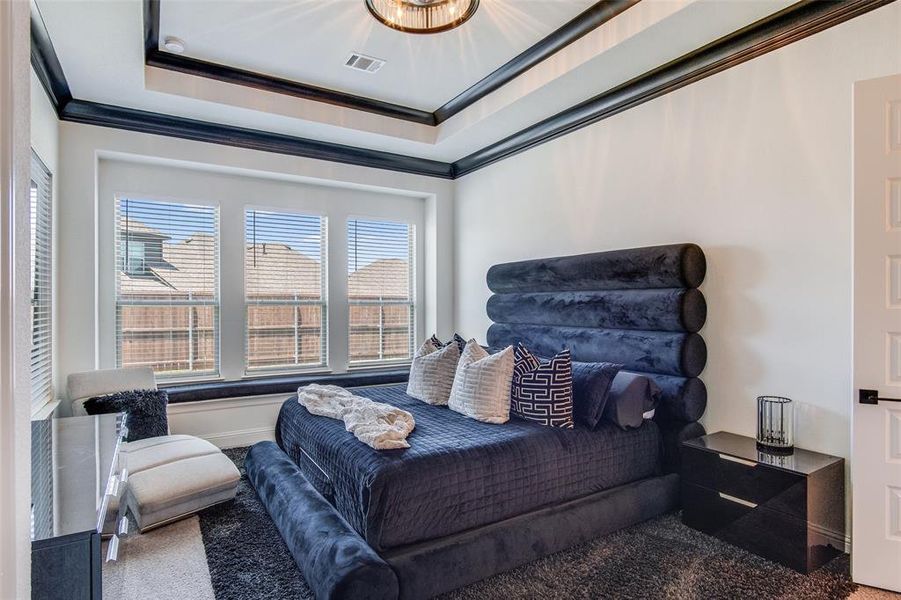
361	62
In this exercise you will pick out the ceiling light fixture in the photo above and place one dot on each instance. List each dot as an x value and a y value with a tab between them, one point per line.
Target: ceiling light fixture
174	44
422	16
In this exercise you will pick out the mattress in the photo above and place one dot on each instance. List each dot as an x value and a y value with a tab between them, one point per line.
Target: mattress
458	473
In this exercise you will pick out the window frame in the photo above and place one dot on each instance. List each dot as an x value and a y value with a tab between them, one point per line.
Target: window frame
41	398
414	283
214	374
323	302
232	193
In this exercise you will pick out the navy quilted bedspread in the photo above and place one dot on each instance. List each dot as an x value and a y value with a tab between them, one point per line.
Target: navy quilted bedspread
458	473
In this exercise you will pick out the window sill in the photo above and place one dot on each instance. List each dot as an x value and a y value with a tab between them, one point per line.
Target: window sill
262	386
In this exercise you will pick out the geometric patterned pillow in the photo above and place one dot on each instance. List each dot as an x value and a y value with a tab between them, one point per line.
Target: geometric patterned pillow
432	373
542	391
461	343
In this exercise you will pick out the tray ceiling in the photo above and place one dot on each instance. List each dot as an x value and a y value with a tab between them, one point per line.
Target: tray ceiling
100	46
309	40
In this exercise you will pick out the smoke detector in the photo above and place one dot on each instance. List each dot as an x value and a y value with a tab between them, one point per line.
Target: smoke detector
174	44
361	62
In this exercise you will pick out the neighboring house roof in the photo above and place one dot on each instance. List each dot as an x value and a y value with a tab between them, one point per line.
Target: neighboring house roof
136	228
385	278
270	270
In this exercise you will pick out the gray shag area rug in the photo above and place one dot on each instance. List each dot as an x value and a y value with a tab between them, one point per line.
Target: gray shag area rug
660	558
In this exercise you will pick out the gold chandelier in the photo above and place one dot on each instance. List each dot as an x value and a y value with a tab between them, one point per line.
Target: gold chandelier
422	16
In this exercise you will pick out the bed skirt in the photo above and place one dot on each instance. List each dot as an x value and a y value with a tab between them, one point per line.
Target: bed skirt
338	563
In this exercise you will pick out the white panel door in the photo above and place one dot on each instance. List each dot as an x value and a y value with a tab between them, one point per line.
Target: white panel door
876	449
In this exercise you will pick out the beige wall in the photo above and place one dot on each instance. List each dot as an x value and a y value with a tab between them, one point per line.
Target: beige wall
753	164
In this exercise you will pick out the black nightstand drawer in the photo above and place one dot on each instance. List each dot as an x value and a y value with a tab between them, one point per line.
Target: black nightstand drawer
787	508
768	533
755	482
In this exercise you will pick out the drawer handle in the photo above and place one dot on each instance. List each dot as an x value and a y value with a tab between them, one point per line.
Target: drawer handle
123	476
741	461
123	526
737	500
112	551
112	486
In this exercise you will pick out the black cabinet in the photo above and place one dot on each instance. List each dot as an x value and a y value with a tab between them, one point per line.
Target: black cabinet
787	508
67	567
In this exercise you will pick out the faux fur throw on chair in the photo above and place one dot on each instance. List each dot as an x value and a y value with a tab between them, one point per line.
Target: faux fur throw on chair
379	425
146	411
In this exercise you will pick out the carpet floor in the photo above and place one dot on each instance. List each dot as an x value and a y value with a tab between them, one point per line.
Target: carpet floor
660	558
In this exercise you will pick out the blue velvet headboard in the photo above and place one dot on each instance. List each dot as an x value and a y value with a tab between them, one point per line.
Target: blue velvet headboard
639	307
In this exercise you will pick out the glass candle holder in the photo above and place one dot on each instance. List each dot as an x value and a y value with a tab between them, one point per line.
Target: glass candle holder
775	424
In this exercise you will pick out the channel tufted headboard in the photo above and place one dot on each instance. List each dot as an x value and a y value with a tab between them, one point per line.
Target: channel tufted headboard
639	307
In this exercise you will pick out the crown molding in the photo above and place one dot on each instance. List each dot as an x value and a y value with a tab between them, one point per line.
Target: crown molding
105	115
46	64
590	19
794	23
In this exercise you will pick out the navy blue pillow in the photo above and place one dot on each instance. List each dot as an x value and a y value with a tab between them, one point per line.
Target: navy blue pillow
542	391
591	387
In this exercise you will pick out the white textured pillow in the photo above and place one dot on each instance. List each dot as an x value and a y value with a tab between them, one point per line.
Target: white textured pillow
432	373
481	387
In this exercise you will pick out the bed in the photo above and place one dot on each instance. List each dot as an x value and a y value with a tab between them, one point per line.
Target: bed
458	473
470	499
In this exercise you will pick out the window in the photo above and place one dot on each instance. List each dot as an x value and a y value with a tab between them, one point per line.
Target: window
380	291
167	287
284	286
41	284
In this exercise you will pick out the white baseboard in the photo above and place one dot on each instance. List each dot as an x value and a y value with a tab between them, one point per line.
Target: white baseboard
228	422
241	437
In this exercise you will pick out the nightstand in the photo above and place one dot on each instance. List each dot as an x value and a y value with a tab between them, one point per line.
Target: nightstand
789	509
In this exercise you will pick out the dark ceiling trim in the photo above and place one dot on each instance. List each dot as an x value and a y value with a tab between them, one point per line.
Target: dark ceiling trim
105	115
209	70
794	23
588	20
584	23
49	72
771	33
154	57
46	64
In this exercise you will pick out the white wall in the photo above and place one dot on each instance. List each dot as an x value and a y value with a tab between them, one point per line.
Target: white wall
753	164
45	143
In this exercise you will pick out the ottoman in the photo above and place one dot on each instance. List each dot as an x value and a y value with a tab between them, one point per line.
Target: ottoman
174	476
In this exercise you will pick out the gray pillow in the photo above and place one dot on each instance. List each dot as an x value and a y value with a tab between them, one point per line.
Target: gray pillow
432	372
631	395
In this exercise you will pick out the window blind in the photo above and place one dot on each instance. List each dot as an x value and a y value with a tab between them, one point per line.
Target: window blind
41	208
380	288
284	281
167	287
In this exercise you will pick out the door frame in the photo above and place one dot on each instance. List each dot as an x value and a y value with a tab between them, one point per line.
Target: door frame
15	409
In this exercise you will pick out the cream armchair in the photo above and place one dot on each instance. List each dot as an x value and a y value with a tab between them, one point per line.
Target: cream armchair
169	477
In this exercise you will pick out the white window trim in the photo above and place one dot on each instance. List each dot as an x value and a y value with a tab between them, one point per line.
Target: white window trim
111	278
257	373
416	301
233	193
40	407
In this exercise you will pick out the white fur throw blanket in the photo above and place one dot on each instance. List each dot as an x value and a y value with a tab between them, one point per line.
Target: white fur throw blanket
382	426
